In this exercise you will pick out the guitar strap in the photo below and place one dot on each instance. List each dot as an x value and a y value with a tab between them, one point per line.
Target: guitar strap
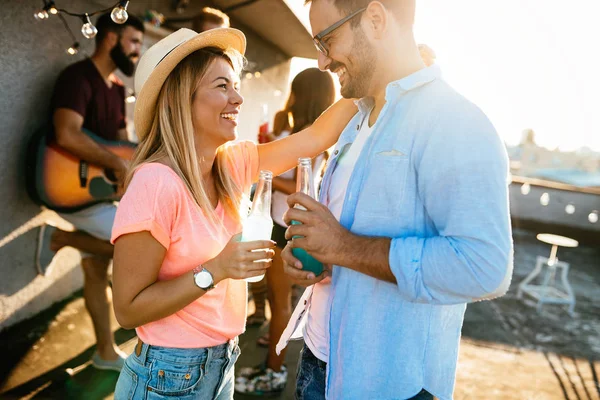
83	173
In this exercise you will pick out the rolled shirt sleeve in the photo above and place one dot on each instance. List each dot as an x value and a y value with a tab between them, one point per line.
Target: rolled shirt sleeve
463	181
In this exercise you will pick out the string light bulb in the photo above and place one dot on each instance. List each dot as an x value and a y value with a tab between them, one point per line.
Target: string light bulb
40	15
88	29
593	217
119	13
545	199
570	209
73	49
51	7
525	189
130	96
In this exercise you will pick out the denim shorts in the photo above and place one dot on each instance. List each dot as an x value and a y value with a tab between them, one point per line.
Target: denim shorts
170	373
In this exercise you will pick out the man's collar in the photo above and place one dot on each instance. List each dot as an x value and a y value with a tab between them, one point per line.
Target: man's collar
401	86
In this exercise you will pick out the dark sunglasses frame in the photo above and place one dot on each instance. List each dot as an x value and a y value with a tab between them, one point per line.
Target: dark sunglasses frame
318	38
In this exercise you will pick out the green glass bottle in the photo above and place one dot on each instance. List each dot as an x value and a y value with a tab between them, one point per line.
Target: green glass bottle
305	184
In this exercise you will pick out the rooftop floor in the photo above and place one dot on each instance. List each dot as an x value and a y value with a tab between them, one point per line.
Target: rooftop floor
508	350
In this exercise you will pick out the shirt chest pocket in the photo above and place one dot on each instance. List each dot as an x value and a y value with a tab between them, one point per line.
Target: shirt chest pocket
384	186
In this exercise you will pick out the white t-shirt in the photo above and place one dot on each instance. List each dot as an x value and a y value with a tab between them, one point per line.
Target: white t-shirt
316	330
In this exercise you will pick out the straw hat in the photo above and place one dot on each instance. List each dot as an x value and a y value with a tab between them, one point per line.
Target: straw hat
159	60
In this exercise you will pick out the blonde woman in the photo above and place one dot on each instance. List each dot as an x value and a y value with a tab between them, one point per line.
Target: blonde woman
178	264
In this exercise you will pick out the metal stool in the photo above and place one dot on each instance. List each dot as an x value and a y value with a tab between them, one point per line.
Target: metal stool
547	292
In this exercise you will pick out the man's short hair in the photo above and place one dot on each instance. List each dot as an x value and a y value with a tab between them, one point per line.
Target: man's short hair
404	10
105	24
211	15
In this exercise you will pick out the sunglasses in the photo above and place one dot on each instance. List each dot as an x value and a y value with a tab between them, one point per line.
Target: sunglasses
318	39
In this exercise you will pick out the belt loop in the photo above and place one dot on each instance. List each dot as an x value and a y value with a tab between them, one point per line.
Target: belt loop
209	354
141	351
230	347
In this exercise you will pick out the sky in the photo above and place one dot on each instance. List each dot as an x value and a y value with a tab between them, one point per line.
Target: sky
525	63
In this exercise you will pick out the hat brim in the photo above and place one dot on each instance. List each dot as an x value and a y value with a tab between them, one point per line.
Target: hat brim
222	38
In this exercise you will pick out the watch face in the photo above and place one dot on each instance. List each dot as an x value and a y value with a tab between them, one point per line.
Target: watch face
203	279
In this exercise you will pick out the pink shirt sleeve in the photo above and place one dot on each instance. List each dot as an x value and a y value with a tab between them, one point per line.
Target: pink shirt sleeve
151	203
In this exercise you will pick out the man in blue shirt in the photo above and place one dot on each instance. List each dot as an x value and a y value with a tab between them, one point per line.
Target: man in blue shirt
413	216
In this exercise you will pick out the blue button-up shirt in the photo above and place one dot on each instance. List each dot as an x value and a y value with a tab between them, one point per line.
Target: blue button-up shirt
433	176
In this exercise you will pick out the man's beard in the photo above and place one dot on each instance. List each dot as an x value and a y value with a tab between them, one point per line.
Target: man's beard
358	82
122	60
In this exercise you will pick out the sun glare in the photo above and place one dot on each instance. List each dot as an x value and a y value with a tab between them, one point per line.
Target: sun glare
526	63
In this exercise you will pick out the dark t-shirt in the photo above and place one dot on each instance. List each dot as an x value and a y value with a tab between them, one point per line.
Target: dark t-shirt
81	88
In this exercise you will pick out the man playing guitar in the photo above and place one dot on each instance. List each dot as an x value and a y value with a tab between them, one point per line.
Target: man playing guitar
88	95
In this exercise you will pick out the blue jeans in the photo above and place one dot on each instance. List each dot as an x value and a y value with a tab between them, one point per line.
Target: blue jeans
310	379
153	372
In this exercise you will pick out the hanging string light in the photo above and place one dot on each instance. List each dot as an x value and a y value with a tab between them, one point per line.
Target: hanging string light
51	8
41	15
88	29
130	96
570	208
119	13
73	49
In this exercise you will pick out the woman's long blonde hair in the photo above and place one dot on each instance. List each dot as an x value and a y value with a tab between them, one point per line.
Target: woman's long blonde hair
172	135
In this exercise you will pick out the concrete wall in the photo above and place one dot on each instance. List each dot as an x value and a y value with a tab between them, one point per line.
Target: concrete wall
33	53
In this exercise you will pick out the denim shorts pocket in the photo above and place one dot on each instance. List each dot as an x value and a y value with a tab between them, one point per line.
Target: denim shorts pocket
174	379
126	384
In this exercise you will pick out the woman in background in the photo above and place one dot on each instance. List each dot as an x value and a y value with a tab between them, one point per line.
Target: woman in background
312	92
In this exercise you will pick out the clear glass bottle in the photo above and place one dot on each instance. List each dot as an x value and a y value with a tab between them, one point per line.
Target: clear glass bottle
259	224
305	184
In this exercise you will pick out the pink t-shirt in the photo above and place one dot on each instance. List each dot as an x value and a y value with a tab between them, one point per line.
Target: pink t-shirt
158	201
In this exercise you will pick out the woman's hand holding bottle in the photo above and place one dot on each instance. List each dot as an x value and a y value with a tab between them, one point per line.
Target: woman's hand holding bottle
241	260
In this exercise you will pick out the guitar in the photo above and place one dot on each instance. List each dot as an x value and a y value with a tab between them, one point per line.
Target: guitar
64	182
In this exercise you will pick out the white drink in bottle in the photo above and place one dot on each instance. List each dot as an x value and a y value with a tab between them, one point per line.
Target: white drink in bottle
259	224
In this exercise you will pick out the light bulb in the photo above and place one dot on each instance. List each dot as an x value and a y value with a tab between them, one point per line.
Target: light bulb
545	199
525	189
593	217
249	75
40	15
257	74
119	13
52	8
88	29
73	49
570	209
